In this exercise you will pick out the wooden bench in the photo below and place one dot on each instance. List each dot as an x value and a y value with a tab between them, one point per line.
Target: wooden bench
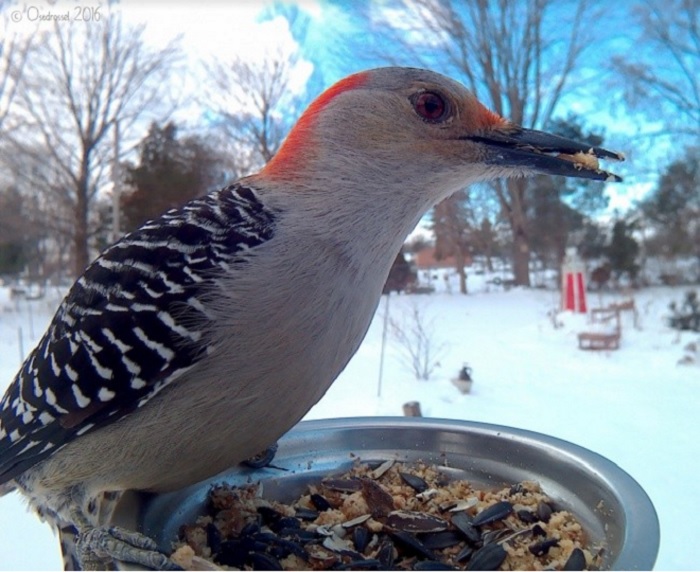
627	306
607	339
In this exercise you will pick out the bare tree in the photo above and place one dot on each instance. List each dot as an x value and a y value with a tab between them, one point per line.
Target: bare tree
40	209
519	57
415	335
452	234
669	32
484	216
254	103
81	81
14	49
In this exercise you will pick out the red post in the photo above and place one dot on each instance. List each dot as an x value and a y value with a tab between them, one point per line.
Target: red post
573	295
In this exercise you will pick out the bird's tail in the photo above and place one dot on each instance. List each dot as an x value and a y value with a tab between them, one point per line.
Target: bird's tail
67	536
7	487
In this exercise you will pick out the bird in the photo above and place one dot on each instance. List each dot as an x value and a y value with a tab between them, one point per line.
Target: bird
197	340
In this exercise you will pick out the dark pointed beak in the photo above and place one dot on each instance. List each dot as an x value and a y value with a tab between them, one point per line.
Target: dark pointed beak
544	153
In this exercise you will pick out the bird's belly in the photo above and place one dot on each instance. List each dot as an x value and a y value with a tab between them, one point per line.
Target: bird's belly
173	441
256	390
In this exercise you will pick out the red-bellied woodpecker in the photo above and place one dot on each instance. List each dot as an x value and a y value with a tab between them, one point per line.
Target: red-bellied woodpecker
199	339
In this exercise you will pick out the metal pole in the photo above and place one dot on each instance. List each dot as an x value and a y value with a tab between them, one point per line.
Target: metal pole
381	355
21	344
116	189
31	318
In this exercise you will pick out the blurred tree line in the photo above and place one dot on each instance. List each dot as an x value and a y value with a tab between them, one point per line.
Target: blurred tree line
528	61
88	145
90	149
170	171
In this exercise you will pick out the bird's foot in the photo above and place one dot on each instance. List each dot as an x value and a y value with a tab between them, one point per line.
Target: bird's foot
99	547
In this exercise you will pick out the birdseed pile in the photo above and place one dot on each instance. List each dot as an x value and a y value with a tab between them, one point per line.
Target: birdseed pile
395	516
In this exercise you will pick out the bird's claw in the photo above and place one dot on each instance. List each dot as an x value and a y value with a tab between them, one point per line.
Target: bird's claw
99	547
262	459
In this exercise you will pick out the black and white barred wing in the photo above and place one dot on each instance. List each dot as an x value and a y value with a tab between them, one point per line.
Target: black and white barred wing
132	324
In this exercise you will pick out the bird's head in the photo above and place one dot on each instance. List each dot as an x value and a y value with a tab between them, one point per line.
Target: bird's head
422	129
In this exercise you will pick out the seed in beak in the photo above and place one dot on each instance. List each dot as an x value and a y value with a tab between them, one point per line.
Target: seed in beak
581	160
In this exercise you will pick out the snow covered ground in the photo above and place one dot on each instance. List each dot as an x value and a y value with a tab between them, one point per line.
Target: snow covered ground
636	406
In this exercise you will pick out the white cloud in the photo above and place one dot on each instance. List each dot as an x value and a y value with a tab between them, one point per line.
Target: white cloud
217	31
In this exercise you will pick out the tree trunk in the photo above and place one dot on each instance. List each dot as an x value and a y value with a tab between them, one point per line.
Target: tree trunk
521	241
521	259
80	234
459	266
489	261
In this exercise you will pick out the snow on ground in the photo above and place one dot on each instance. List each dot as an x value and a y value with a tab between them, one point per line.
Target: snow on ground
635	406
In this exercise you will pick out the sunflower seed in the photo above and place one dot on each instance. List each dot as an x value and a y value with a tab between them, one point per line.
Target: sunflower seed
269	514
495	512
250	528
342	485
440	540
357	520
360	538
544	511
214	537
427	495
381	469
416	483
385	554
285	522
463	522
465	504
490	557
412	544
464	554
306	513
432	565
498	535
232	553
527	516
410	521
541	548
336	544
324	530
378	499
282	547
576	560
320	502
361	564
515	489
264	561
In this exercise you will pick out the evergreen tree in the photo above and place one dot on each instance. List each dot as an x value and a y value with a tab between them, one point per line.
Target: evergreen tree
401	275
623	250
593	240
13	257
170	172
673	208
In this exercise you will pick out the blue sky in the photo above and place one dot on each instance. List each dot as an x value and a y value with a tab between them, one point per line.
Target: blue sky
332	28
333	41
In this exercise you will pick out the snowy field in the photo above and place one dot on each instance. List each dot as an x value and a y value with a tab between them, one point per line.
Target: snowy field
636	406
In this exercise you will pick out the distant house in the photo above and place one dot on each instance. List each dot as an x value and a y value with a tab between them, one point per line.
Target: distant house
425	260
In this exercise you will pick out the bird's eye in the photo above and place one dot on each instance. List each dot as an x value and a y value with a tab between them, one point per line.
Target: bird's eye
430	106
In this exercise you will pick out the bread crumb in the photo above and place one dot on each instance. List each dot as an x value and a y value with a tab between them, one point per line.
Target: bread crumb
582	160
